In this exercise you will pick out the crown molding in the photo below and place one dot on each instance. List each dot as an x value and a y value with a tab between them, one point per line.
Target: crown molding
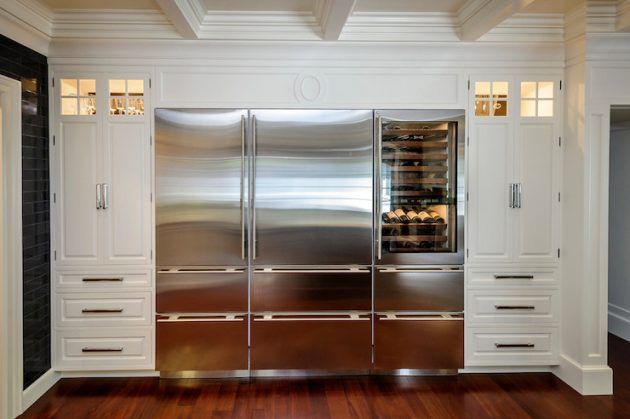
27	22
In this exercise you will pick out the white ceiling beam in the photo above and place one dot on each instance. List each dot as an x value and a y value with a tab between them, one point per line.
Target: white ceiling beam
184	15
478	17
334	18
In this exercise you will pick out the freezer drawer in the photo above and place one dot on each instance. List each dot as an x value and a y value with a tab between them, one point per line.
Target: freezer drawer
418	290
418	342
312	187
202	291
303	290
337	342
210	343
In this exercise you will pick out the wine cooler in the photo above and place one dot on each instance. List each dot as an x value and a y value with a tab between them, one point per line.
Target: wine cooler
420	189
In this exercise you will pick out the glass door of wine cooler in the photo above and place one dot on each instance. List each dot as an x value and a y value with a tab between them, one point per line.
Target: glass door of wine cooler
420	187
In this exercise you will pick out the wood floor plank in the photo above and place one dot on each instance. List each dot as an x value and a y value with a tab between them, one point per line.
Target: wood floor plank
470	396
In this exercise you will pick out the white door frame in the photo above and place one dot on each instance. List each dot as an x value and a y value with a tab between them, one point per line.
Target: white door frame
11	368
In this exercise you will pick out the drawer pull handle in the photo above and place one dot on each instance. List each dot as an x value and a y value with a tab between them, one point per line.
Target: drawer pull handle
498	307
87	350
102	279
102	310
514	345
498	276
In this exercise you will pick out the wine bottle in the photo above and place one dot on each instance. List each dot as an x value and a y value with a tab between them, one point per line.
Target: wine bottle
413	216
386	219
425	217
401	214
436	216
393	218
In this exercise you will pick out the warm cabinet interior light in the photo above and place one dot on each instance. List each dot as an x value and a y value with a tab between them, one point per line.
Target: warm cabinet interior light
78	97
491	98
537	98
126	97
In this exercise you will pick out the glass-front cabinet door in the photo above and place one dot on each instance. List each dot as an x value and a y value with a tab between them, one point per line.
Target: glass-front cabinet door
420	187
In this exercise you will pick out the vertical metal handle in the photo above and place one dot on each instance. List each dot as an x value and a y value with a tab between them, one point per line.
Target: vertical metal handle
105	196
512	195
379	230
254	240
519	195
99	196
243	187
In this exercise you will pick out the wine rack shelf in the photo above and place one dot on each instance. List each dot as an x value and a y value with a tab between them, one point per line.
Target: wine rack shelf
414	131
401	144
436	168
416	156
414	225
414	239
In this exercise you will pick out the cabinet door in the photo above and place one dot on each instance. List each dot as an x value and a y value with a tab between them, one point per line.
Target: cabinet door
537	158
127	218
77	173
490	175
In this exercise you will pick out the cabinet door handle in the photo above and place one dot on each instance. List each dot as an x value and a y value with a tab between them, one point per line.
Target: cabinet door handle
514	345
519	195
102	279
86	350
99	196
105	196
500	307
527	276
253	193
102	310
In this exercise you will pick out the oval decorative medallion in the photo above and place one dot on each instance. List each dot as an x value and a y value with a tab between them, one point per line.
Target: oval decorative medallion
308	87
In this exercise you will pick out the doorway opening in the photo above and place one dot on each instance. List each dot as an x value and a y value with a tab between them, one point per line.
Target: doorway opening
619	224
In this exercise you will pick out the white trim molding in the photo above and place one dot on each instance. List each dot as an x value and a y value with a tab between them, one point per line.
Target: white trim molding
38	388
588	380
619	321
11	371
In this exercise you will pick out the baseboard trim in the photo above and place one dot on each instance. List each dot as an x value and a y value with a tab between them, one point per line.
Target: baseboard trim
619	321
502	370
588	380
38	388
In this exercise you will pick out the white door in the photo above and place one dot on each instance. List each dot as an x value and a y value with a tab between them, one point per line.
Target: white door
537	153
77	176
490	172
127	218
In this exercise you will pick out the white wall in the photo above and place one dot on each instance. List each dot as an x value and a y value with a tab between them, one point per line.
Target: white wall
619	234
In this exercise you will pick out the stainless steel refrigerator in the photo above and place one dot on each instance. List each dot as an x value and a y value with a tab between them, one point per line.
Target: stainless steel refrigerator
279	201
419	240
311	218
201	165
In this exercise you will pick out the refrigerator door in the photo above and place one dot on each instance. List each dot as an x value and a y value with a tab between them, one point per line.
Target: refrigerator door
201	187
420	188
312	187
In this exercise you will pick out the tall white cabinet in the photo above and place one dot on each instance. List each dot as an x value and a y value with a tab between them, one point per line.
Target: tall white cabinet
102	222
513	251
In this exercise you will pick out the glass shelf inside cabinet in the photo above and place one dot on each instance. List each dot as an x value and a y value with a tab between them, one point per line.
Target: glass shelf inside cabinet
418	175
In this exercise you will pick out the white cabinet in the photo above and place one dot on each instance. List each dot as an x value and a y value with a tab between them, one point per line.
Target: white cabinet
513	175
103	288
102	178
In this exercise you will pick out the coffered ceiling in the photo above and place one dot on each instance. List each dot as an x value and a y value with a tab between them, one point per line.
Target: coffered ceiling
312	20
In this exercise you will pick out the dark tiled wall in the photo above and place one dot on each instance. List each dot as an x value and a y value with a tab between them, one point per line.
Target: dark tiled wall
31	68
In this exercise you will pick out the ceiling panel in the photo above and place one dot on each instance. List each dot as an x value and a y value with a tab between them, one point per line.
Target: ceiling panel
408	5
259	5
100	4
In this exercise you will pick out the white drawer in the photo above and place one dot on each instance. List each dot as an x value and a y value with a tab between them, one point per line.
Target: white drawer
98	280
524	306
104	349
104	309
511	346
505	277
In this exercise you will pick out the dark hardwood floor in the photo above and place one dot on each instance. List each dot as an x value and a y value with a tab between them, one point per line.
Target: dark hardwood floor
464	396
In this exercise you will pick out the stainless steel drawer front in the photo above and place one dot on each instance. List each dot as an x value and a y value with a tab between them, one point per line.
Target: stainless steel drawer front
201	291
311	342
419	290
296	290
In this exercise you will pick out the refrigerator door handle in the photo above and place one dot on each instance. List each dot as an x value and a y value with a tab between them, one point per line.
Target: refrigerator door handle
193	317
419	270
379	230
243	241
254	156
300	271
271	317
